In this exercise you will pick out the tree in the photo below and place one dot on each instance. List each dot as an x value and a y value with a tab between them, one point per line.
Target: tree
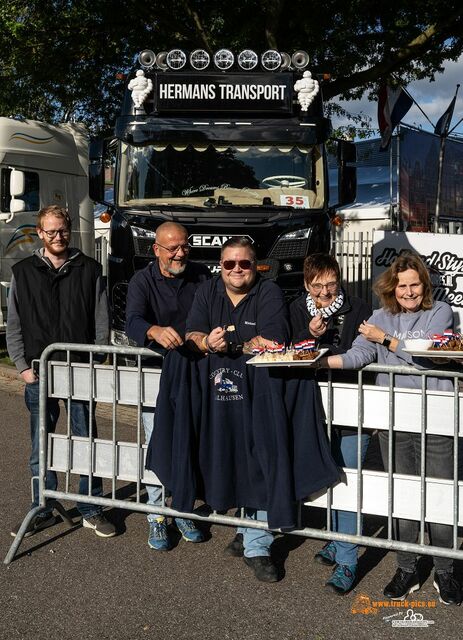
60	59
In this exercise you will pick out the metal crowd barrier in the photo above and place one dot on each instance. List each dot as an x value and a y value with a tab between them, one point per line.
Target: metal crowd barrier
365	407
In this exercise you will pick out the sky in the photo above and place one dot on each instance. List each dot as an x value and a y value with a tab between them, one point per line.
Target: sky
433	98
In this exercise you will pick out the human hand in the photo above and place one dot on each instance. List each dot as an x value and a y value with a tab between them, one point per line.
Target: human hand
317	326
372	332
167	337
216	340
28	376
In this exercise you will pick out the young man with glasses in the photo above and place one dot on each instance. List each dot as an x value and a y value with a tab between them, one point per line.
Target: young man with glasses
158	300
56	295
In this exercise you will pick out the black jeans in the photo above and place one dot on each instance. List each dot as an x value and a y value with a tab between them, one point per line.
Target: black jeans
439	464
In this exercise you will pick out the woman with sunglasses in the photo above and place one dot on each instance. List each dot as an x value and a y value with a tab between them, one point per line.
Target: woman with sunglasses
327	314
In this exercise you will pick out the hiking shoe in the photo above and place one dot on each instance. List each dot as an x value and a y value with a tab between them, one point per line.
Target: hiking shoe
38	523
100	526
342	579
158	537
263	568
189	531
403	583
447	587
235	548
326	555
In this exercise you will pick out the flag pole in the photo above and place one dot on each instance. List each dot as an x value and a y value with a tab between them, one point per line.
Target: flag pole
416	103
443	137
439	183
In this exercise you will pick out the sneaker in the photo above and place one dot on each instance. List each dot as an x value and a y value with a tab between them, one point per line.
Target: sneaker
38	523
326	555
235	548
158	537
447	587
403	583
189	531
263	568
342	579
100	526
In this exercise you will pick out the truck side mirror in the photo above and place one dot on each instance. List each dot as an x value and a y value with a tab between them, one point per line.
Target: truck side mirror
96	152
17	183
347	174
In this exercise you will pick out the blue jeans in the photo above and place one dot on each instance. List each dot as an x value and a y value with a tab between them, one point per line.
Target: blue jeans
79	427
344	450
439	464
154	491
256	542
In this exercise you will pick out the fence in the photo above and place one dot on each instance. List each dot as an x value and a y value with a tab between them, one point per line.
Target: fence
362	406
353	250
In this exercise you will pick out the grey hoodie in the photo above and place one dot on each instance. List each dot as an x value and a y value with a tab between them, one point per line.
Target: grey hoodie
403	326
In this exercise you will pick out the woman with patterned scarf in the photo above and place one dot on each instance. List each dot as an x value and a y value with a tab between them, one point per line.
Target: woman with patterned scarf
331	317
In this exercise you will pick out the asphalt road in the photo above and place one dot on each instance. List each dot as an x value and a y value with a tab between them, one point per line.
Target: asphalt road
69	584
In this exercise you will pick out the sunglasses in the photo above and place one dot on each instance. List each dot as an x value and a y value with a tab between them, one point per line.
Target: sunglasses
243	264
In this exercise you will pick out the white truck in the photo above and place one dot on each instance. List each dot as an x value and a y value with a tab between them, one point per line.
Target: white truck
40	164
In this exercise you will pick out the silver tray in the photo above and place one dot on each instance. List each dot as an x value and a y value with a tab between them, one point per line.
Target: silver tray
433	353
287	363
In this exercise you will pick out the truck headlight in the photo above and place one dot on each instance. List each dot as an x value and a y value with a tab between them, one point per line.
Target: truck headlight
199	59
298	234
176	59
271	60
224	59
248	59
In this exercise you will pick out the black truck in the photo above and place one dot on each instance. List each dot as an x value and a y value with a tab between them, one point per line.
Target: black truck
225	145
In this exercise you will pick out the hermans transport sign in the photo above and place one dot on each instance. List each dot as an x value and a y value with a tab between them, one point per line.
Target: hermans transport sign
224	93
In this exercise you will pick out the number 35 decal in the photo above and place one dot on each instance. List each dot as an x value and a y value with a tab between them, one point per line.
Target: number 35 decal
298	202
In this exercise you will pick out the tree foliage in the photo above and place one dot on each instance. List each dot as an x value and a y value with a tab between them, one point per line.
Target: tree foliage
61	59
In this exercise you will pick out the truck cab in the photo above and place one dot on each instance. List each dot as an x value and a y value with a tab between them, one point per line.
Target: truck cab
40	164
226	152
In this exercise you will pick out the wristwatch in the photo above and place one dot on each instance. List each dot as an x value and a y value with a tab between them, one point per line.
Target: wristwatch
386	341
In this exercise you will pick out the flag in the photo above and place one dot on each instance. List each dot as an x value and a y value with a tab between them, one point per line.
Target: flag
443	124
393	104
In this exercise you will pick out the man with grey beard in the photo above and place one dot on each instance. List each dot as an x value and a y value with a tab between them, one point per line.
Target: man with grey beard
158	300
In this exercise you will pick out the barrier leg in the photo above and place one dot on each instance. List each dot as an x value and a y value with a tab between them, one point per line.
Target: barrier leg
30	515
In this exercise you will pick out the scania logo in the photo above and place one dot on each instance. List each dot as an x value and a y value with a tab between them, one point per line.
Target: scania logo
210	242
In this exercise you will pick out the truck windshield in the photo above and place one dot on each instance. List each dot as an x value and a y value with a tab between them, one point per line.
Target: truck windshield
221	176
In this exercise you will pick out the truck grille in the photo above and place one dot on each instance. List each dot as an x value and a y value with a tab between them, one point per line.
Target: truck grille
144	246
290	249
119	295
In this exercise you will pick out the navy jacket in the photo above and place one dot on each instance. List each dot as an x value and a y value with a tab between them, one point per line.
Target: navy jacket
152	300
262	312
233	434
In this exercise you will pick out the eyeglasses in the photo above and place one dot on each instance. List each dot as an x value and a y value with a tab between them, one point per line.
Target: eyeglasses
173	250
243	264
317	287
52	233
